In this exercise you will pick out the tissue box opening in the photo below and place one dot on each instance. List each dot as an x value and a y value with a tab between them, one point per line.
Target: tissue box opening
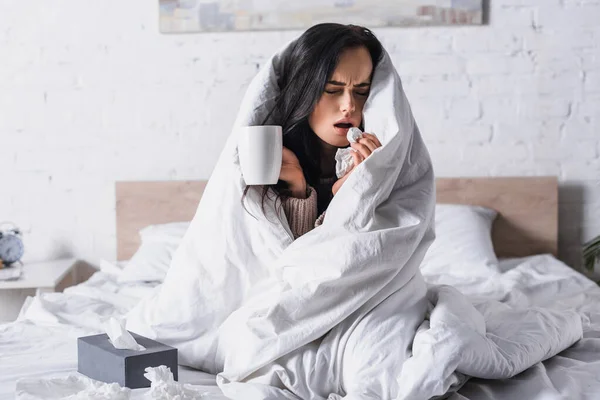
98	359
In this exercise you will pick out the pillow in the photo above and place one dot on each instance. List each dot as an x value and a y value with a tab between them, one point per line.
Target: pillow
463	239
171	232
152	259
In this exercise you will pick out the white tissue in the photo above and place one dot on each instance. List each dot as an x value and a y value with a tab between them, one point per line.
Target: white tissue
343	162
343	158
119	336
72	387
354	134
164	387
79	387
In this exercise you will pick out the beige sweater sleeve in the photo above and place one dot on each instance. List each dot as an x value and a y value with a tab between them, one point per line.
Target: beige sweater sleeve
301	213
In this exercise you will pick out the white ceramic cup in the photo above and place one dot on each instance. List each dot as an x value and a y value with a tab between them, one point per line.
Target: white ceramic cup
260	150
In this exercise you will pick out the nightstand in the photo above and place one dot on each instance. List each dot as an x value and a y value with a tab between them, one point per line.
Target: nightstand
41	276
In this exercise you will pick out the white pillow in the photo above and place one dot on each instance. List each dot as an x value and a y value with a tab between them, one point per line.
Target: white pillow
463	239
171	232
152	259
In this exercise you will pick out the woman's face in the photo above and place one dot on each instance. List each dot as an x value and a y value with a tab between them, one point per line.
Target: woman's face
341	105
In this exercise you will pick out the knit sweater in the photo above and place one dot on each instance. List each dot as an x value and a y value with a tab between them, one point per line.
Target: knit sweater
302	213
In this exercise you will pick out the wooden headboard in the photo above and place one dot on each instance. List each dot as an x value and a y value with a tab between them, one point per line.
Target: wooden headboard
140	204
527	223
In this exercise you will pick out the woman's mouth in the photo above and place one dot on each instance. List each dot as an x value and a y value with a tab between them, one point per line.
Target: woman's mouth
342	128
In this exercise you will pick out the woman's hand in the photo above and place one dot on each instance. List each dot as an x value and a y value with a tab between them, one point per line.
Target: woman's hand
292	174
362	149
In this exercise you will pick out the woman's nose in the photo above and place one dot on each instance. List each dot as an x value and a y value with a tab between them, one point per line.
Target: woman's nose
347	104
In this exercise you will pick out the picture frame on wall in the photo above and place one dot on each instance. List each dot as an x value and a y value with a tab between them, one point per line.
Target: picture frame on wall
189	16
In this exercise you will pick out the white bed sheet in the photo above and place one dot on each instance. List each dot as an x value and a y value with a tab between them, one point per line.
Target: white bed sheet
42	342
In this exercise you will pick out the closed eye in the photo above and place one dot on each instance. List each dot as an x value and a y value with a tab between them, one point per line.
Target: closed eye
339	91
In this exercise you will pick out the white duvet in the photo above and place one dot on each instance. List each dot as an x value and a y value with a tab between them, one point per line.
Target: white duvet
41	345
342	312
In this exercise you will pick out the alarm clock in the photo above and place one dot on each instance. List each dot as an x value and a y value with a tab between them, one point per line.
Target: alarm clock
11	244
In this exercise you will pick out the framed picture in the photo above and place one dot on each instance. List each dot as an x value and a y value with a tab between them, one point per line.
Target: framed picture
177	16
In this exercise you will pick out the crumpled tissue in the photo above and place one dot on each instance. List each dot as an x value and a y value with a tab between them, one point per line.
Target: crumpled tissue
164	387
343	157
72	387
79	387
119	336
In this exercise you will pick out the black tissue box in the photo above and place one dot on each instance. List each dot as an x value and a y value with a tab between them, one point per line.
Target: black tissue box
98	359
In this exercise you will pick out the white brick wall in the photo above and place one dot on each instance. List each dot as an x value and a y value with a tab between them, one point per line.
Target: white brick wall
91	93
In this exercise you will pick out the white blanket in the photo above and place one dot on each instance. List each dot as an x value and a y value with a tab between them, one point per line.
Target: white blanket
42	344
335	312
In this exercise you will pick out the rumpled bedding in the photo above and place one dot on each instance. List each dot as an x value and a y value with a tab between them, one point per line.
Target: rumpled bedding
42	344
343	311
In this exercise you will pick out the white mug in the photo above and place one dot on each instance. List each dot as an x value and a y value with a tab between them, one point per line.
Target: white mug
260	151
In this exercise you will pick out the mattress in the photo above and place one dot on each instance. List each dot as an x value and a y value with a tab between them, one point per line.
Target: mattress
42	342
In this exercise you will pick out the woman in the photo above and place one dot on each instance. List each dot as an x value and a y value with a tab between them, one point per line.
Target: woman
277	316
324	88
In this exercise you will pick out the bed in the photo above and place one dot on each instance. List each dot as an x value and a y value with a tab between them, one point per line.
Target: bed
41	343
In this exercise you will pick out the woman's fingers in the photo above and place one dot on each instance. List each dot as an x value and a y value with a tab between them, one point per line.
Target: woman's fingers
362	149
291	171
373	138
288	158
356	157
371	145
287	155
366	145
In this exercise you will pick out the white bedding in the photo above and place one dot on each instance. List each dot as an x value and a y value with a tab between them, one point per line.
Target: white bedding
42	343
531	282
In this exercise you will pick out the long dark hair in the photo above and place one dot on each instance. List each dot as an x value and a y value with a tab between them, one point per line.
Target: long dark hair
311	63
